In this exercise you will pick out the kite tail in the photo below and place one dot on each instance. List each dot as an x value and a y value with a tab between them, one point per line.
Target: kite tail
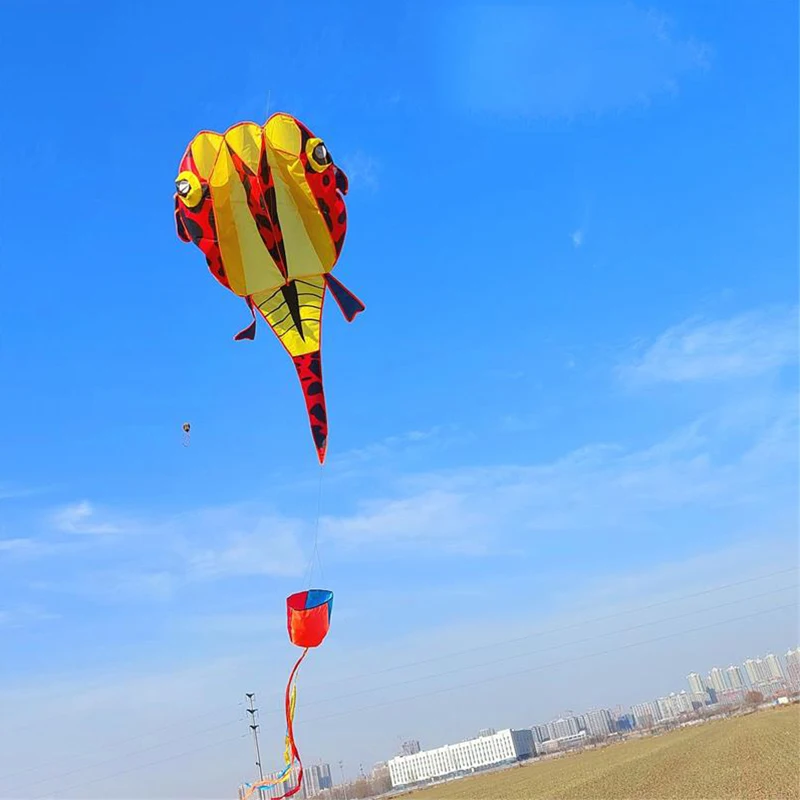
309	370
291	746
290	755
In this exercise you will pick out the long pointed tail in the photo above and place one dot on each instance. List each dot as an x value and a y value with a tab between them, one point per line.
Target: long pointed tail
309	370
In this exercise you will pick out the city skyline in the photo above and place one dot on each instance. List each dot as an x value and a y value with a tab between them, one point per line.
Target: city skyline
415	766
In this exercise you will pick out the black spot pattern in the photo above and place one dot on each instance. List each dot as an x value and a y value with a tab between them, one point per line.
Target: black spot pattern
318	412
193	228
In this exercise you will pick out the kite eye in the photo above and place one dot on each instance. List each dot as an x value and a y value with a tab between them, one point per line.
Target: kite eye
318	155
189	189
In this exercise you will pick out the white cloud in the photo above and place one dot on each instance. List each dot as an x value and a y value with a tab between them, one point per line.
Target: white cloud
436	518
750	344
271	549
592	491
82	518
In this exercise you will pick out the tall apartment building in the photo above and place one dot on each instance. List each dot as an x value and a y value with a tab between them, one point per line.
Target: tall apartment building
541	733
757	672
697	685
317	778
645	715
735	677
409	748
793	667
717	681
599	723
563	727
774	668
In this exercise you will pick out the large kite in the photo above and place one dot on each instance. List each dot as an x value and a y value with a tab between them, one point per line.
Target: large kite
265	205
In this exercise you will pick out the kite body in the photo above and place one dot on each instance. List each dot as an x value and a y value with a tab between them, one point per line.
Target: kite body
265	205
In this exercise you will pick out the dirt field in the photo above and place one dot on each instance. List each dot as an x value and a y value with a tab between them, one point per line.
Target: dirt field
747	758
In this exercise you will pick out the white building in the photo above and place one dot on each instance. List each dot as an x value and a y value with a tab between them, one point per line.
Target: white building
563	727
645	715
735	678
599	723
316	778
564	743
793	667
541	733
757	672
665	708
774	668
505	746
717	681
697	685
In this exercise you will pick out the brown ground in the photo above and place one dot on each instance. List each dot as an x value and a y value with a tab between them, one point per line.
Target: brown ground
756	757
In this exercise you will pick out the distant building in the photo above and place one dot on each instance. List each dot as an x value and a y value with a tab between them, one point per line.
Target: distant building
645	715
541	733
665	709
717	681
793	668
505	746
697	685
317	778
735	677
624	722
380	781
409	748
486	732
599	723
564	743
774	668
563	727
757	672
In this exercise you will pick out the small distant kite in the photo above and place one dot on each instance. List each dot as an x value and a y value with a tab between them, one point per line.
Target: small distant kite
265	205
187	434
308	620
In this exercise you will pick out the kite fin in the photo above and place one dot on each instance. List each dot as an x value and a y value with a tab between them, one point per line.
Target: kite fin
309	370
349	304
250	331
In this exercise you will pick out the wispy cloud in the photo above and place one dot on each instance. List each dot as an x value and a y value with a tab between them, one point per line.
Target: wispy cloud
82	518
547	61
272	548
22	547
391	445
744	346
577	238
362	169
23	616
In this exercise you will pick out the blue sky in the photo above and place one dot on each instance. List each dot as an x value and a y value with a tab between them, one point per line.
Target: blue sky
574	226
